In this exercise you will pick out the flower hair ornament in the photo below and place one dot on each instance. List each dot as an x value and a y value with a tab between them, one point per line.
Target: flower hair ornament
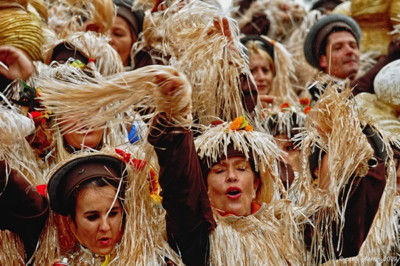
238	137
290	120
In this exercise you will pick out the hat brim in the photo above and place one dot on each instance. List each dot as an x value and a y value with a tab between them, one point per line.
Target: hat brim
73	173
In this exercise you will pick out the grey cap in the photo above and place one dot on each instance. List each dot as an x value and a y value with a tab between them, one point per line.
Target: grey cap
319	32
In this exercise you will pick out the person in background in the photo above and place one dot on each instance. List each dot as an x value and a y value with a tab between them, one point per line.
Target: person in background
333	46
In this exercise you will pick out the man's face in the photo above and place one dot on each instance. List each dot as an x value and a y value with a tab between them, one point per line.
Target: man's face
342	58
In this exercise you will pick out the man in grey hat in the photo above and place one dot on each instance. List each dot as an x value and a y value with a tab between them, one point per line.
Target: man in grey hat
332	46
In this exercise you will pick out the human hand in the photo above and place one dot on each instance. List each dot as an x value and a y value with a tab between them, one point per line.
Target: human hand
174	94
15	64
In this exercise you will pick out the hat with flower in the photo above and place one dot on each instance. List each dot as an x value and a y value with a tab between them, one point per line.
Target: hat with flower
238	139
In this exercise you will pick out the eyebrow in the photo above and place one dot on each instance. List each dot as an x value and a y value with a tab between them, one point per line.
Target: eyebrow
236	161
95	212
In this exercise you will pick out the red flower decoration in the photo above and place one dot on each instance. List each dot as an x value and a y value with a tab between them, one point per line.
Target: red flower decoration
304	101
42	189
306	109
285	105
138	164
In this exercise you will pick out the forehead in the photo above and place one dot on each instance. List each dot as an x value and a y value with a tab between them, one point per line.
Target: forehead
94	198
233	160
341	37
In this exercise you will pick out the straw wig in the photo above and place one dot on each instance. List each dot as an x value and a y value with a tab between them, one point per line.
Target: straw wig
217	142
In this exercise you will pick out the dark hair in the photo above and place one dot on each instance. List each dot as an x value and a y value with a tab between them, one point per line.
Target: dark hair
322	48
90	183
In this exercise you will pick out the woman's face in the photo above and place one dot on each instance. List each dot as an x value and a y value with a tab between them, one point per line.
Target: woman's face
232	186
82	138
98	222
290	154
122	39
262	73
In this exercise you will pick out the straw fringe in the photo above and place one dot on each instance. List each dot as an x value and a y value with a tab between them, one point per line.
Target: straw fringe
14	149
281	85
12	249
93	46
269	237
114	95
294	44
143	242
214	142
335	125
212	63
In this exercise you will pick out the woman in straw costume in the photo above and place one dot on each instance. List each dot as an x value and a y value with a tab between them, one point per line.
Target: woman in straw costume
109	211
272	70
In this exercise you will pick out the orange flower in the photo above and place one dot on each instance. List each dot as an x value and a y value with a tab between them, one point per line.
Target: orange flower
235	125
285	105
304	101
306	109
248	127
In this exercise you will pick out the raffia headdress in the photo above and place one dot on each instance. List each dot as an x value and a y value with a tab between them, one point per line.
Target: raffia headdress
216	141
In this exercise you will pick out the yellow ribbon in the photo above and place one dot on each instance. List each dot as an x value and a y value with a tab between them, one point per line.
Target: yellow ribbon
107	260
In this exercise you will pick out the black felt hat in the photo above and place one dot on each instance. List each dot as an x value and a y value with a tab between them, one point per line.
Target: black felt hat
70	175
319	32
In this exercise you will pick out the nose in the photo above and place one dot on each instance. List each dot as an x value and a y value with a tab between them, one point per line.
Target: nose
231	176
104	225
259	74
351	50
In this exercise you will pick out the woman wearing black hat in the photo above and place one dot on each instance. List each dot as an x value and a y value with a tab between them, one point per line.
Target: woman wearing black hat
89	190
106	203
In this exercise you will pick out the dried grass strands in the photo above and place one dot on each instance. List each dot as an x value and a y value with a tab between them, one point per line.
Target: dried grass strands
92	101
269	237
212	62
215	141
281	84
12	249
49	248
93	46
336	127
143	242
294	44
14	149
